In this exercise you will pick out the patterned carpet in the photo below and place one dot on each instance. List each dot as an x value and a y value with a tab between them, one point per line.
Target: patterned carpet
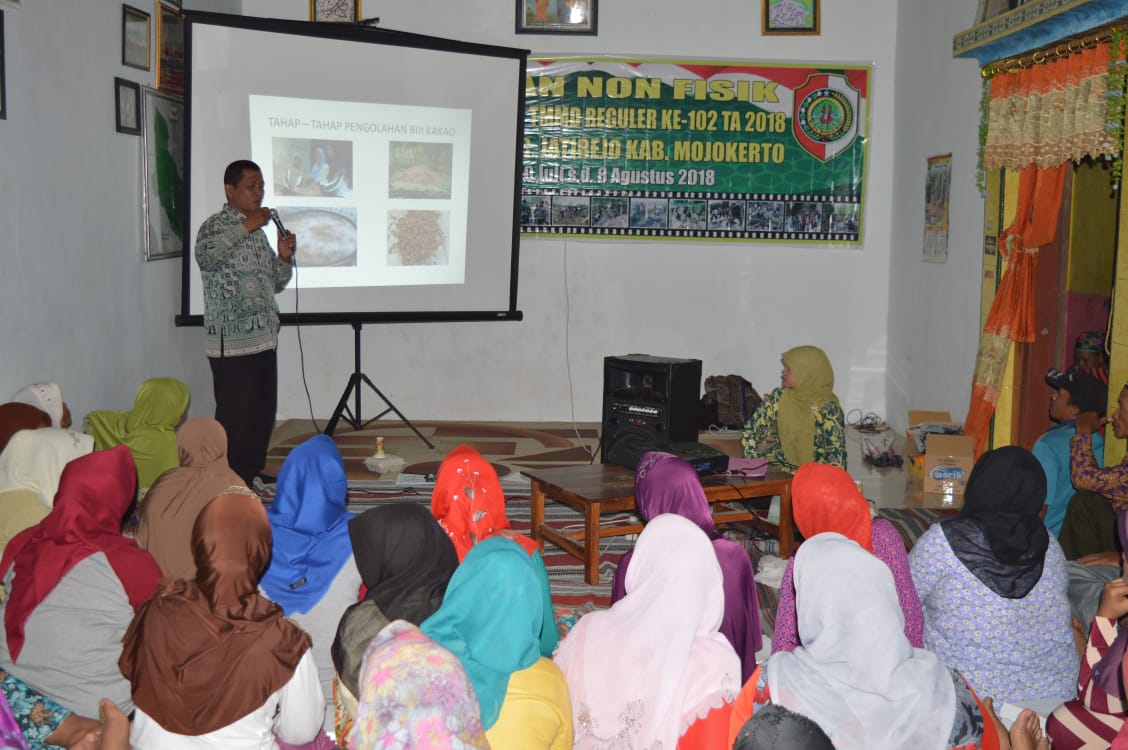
509	446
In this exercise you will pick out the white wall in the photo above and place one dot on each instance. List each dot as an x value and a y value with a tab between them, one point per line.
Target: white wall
79	303
934	308
81	306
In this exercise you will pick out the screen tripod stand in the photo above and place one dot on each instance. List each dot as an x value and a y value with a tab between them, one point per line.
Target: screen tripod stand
353	416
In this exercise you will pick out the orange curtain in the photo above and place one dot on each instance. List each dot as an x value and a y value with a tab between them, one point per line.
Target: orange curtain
1050	113
1012	313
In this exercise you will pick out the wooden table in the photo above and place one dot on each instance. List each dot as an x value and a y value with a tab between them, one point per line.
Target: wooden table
607	488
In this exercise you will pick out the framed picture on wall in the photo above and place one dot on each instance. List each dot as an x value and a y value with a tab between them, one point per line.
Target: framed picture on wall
135	37
334	11
170	49
557	17
790	17
162	175
127	106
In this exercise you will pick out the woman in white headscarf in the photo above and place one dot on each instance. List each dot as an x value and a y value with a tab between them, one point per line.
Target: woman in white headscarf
30	466
654	670
49	398
855	673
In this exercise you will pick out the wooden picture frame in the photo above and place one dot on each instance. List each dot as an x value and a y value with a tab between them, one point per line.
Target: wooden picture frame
162	176
3	73
127	106
335	11
170	49
135	37
557	17
791	17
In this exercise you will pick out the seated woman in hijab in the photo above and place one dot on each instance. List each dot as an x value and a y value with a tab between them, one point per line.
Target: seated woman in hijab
30	468
177	497
312	574
800	421
666	484
47	397
431	707
1099	712
212	663
993	586
73	584
406	561
855	674
491	619
825	498
470	506
654	670
149	429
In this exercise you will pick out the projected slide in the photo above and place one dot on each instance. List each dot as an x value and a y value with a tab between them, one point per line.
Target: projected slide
376	193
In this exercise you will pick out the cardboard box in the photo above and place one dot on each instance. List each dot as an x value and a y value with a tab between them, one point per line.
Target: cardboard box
947	463
922	423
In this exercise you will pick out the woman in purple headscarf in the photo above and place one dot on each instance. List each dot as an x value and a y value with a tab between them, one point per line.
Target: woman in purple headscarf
1100	710
665	483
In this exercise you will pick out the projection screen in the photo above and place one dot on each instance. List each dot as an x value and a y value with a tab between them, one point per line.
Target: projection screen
394	157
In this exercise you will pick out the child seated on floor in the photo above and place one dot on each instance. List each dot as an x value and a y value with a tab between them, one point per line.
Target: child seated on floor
1075	391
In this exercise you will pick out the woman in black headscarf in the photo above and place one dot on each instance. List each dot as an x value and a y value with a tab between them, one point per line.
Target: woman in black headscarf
405	559
993	586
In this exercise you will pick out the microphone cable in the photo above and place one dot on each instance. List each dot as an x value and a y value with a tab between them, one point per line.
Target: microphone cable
301	349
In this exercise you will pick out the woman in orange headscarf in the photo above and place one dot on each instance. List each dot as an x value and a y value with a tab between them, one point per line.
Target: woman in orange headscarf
825	498
468	503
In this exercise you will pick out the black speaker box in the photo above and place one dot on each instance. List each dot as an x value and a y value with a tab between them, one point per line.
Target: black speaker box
648	403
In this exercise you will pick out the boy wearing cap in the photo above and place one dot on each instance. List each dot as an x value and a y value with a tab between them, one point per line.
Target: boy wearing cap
1076	391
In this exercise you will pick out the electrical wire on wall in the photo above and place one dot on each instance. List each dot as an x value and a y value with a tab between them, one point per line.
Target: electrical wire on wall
568	356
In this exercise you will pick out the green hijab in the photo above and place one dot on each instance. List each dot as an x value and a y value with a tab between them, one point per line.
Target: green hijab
814	388
149	429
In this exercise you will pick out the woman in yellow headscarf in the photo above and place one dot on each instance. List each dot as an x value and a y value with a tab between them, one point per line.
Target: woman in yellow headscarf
801	421
149	429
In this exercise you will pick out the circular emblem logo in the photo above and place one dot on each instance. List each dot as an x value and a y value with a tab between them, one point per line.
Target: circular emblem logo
825	115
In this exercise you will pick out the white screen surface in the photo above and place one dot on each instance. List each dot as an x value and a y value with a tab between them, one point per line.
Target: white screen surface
395	164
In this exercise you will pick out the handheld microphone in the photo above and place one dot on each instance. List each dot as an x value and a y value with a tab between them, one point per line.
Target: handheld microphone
278	221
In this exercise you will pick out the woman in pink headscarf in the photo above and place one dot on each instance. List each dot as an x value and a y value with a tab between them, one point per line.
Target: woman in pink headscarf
665	483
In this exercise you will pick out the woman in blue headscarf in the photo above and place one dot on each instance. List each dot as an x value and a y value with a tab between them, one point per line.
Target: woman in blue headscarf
312	573
491	619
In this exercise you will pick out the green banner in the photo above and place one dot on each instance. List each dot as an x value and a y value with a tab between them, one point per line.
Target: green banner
712	151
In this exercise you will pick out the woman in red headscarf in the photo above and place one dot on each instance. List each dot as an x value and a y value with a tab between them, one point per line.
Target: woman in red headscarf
468	503
73	584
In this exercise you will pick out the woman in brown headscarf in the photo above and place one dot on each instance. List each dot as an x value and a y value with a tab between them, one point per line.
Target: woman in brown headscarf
177	497
211	662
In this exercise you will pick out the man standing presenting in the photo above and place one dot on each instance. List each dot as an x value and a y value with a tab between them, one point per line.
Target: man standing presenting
241	274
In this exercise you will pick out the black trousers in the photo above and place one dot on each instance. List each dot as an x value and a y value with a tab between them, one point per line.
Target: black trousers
246	399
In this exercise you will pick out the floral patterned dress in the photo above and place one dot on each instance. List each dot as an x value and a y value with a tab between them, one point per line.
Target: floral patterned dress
760	438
